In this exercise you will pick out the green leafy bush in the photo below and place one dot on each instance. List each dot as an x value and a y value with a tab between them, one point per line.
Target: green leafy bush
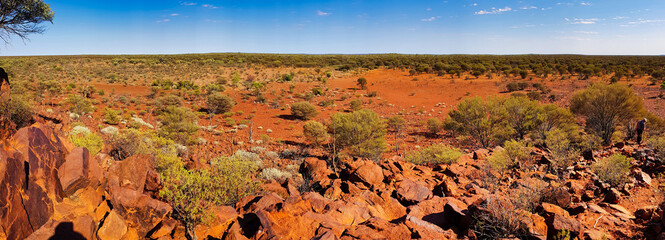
362	83
18	110
434	126
129	142
361	133
304	110
562	152
315	133
91	141
657	143
435	154
164	102
219	103
606	106
517	151
111	116
613	169
355	105
179	125
482	120
79	105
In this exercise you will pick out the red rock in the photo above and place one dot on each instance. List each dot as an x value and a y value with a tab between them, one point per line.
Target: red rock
447	188
366	172
114	227
410	192
430	210
153	183
74	172
558	220
537	228
612	196
552	209
275	187
163	228
140	210
265	202
376	228
317	201
318	170
481	154
133	171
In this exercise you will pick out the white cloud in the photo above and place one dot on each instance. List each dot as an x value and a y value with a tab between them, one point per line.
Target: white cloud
322	13
585	21
494	11
585	3
209	6
644	21
528	7
586	32
429	19
475	4
428	9
188	3
620	17
163	20
175	14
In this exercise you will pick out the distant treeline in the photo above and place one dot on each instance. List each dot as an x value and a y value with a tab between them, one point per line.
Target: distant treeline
517	65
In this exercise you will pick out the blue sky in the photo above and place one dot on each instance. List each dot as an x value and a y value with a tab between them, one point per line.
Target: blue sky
622	27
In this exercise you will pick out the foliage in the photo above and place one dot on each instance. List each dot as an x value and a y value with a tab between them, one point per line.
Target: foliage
479	119
18	110
274	174
219	103
355	105
396	123
434	126
315	132
361	133
179	125
551	116
91	141
23	17
79	105
613	169
606	106
111	116
164	102
517	151
521	115
192	193
657	143
561	150
435	154
500	161
127	143
304	110
362	83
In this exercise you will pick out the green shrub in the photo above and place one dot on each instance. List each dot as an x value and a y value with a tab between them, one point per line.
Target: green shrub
562	152
111	116
500	161
304	110
193	193
482	120
179	125
361	133
315	133
79	105
362	83
613	169
435	154
91	141
164	102
434	126
127	143
606	106
518	151
657	143
219	103
521	115
274	174
355	105
18	110
551	116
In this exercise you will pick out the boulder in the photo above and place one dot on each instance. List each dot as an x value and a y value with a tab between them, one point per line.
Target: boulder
317	170
366	172
74	172
558	219
377	228
410	192
612	196
140	210
481	154
535	224
113	228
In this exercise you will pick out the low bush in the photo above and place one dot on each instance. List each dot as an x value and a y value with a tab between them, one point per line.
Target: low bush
657	143
111	116
274	174
355	105
361	133
179	125
18	110
435	154
434	126
128	142
91	141
613	169
79	105
562	152
315	133
219	103
304	110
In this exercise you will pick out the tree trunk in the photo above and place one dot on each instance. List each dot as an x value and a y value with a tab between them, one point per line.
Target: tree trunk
191	232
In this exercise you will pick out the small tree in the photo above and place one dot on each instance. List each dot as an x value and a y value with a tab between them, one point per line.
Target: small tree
111	116
362	83
304	110
606	106
396	124
315	133
22	17
482	120
435	154
521	115
361	133
355	105
613	169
